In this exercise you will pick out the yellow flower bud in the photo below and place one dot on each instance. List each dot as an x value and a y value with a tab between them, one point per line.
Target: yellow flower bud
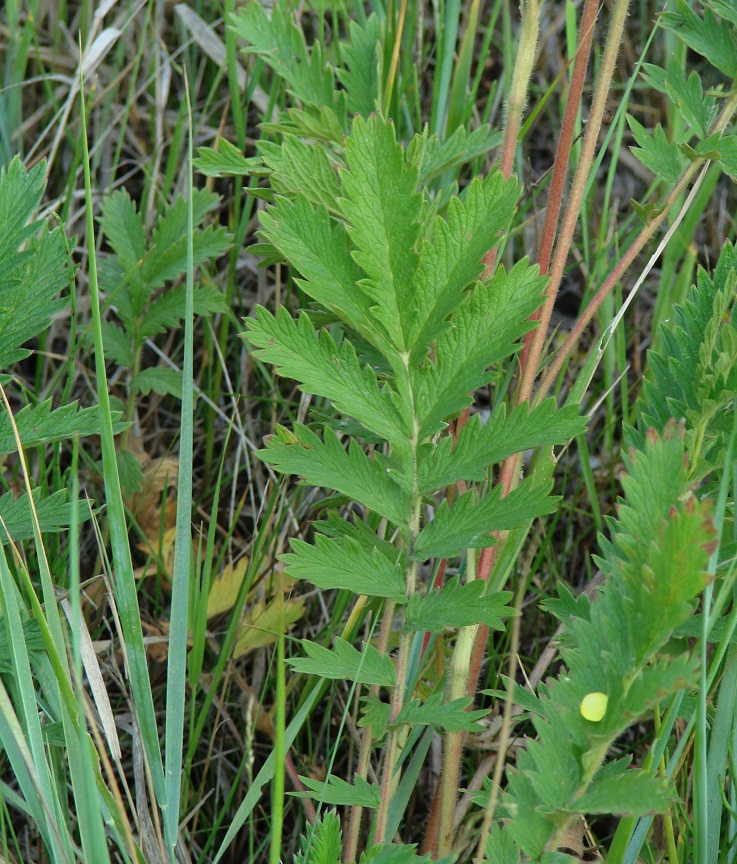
593	706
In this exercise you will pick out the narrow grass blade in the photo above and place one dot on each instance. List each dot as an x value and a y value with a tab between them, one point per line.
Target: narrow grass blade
79	745
177	658
124	585
22	736
265	774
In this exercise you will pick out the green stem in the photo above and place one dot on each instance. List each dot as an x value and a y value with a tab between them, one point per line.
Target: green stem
390	776
364	753
456	689
526	49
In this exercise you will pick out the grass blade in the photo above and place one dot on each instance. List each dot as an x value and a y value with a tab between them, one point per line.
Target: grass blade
177	664
124	586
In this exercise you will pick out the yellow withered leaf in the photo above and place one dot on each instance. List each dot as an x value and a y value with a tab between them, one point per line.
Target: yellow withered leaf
262	623
225	587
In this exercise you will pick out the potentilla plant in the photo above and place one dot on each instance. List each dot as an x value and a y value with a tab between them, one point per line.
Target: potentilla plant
416	332
411	313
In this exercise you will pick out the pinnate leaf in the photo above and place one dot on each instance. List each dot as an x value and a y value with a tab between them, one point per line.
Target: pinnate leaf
698	110
167	257
451	716
322	369
362	77
631	793
456	605
383	209
486	328
159	379
326	463
707	36
282	45
343	563
452	255
54	514
369	667
655	152
30	277
298	167
318	249
118	345
480	445
458	148
337	792
469	524
39	424
322	843
124	230
226	161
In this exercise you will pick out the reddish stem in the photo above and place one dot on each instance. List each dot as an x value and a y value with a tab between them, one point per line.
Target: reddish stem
563	152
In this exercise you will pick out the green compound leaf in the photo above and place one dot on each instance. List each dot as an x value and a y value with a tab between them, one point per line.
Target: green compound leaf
167	257
343	563
459	148
318	249
632	793
117	344
339	793
33	262
452	254
326	463
226	161
54	514
653	568
282	46
661	156
456	605
486	328
298	167
383	209
322	843
469	524
369	667
123	227
698	110
401	854
707	36
480	445
159	379
363	57
451	716
296	350
39	424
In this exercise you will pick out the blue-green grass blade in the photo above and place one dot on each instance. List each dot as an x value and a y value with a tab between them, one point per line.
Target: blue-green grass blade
176	679
79	745
124	584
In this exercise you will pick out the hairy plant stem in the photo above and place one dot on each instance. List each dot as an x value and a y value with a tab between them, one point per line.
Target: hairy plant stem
563	152
456	688
634	250
578	189
519	87
533	349
529	29
390	776
506	729
529	370
364	753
